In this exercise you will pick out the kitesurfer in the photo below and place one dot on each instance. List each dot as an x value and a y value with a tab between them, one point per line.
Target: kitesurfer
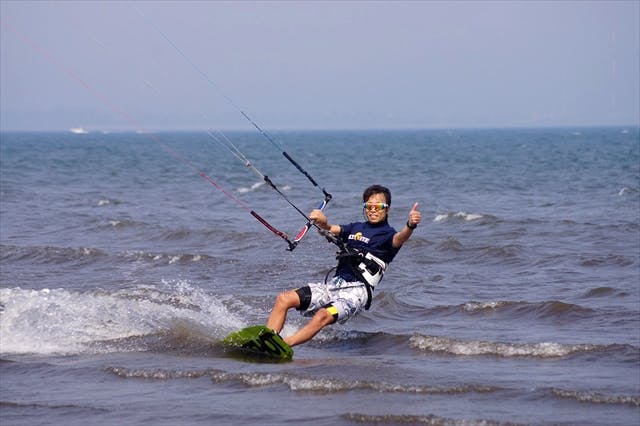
366	250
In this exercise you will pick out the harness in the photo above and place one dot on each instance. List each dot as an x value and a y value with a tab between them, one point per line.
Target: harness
368	268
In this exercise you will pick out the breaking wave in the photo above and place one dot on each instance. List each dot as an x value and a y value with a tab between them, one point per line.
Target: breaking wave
546	310
459	216
63	321
597	398
298	383
446	345
295	382
538	310
86	255
48	254
426	420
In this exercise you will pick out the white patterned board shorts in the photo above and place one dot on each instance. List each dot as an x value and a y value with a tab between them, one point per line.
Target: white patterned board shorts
343	299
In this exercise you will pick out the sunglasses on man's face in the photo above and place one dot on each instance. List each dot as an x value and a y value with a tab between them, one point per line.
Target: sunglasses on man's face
375	206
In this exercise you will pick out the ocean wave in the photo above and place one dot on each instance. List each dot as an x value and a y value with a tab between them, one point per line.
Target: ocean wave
452	346
626	190
481	254
597	398
258	186
301	383
426	420
61	255
519	310
49	254
158	374
539	310
500	254
62	321
153	232
297	383
107	202
8	405
163	258
461	217
254	187
450	244
606	260
176	234
389	306
122	224
599	292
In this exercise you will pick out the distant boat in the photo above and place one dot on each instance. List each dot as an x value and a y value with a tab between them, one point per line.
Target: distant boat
78	131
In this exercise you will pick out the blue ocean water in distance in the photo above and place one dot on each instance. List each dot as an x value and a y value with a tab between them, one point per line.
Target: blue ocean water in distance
516	301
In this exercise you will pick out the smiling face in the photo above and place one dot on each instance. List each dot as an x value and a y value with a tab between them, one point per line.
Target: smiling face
376	215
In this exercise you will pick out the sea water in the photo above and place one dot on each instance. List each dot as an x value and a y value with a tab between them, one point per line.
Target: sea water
516	301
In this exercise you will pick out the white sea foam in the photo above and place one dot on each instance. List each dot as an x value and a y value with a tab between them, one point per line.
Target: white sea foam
470	216
257	185
626	190
481	306
315	384
64	321
475	347
597	398
250	189
441	217
457	215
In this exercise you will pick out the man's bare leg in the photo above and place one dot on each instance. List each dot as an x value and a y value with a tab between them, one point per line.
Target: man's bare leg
321	319
285	301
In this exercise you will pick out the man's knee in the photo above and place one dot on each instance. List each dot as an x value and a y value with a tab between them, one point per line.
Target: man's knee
327	315
288	299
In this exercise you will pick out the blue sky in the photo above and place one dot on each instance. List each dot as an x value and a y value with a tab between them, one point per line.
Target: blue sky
318	65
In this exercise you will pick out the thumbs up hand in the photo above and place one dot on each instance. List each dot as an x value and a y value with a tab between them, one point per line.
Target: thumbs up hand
414	217
405	233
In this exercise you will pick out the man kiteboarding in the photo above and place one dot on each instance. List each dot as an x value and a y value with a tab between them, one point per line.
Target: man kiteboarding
367	248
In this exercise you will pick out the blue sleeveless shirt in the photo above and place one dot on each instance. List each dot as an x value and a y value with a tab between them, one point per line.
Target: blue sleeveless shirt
374	238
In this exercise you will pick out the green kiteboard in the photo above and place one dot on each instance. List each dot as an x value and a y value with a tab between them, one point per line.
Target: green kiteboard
259	341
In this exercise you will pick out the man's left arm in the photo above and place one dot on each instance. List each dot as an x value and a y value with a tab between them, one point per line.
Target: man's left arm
405	233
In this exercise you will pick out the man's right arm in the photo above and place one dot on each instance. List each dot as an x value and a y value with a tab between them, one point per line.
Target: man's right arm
321	220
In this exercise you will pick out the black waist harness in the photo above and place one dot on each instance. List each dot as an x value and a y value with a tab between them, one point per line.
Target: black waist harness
368	268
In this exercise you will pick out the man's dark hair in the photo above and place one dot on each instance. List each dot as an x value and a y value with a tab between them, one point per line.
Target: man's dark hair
377	189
